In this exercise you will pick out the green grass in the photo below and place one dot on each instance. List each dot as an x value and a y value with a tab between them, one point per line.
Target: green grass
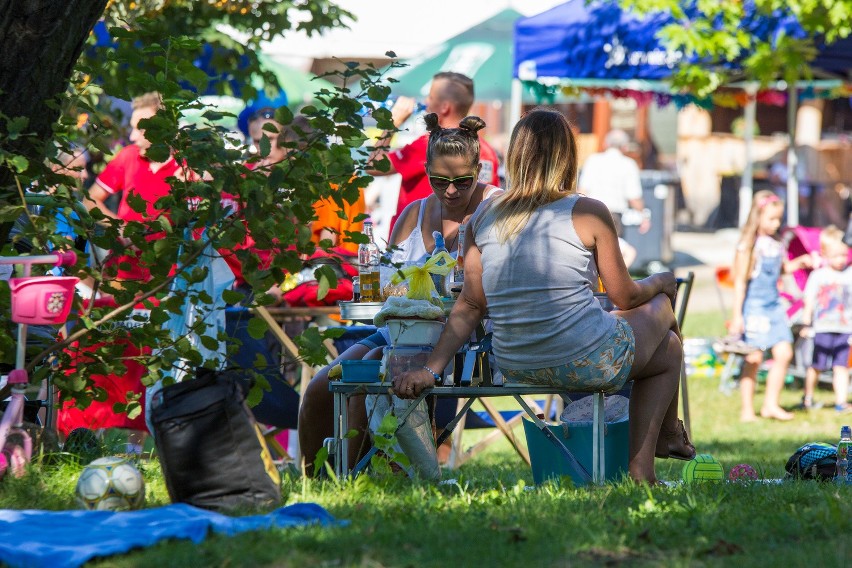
491	516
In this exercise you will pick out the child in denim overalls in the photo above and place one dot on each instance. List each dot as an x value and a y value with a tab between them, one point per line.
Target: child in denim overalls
758	313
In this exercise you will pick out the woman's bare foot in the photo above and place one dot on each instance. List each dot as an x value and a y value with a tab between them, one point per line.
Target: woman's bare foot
748	417
776	413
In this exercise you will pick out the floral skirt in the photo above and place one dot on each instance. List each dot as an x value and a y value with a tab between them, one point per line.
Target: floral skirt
605	369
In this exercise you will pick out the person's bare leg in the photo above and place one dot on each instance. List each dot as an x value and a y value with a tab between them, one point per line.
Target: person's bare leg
316	415
840	384
650	401
782	355
748	384
811	378
656	373
359	421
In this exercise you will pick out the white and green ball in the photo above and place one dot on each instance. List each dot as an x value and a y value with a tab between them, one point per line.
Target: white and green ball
703	467
110	484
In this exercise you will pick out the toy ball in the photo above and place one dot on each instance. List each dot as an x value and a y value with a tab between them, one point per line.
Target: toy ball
703	467
742	472
110	484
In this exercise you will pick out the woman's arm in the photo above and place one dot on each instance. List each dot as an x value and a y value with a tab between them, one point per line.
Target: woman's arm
468	311
596	229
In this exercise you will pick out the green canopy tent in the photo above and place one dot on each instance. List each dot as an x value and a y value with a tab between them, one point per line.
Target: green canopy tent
483	53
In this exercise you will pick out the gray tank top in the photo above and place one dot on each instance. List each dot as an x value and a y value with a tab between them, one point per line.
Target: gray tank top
539	290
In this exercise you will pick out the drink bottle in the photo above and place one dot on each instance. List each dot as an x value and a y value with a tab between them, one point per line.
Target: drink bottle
458	271
369	258
843	473
440	281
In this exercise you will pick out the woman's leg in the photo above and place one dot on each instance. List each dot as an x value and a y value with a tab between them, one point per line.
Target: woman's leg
316	416
656	374
748	383
782	355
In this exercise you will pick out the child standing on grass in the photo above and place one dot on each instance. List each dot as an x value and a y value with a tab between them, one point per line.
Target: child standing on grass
758	314
828	316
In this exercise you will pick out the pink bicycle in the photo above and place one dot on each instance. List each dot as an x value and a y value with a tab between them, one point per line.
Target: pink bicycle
36	300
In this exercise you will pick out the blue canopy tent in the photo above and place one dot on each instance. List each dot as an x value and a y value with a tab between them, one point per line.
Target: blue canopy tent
602	46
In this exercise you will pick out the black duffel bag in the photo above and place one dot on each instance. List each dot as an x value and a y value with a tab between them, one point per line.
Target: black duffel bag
212	452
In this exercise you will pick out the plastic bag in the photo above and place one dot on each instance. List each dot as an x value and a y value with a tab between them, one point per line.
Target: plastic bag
414	435
420	285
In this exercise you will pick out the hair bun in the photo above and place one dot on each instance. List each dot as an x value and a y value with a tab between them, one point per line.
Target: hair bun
431	120
472	124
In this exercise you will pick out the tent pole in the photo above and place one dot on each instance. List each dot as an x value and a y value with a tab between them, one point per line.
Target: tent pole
747	180
516	103
792	159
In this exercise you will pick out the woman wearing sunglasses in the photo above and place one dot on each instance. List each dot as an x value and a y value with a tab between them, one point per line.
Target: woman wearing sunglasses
452	166
533	256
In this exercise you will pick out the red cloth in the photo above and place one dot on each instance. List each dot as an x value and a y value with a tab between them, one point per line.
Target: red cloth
130	173
101	414
410	162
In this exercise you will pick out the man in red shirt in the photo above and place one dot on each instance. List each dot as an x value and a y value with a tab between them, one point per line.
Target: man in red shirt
131	173
450	97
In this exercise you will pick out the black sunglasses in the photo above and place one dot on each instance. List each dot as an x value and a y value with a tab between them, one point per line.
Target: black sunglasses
461	183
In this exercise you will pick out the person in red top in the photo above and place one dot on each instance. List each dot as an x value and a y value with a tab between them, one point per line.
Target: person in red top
132	173
450	97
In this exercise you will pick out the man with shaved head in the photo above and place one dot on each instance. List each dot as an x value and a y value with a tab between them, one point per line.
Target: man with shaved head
450	97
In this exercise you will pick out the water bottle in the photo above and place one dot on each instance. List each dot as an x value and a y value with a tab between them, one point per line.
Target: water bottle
369	258
843	471
440	281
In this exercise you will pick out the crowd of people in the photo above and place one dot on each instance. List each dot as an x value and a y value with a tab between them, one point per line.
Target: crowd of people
535	252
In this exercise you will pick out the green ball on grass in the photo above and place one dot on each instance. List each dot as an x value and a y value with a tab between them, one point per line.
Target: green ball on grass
703	467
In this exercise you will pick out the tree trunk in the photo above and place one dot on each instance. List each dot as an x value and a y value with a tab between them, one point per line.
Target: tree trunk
41	41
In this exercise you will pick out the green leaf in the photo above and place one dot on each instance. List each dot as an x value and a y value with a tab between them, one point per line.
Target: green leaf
326	280
19	163
232	297
209	342
257	328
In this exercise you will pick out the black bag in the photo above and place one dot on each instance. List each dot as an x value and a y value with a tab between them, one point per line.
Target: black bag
211	450
816	460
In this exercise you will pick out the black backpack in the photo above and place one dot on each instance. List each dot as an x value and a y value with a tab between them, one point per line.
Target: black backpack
211	450
816	460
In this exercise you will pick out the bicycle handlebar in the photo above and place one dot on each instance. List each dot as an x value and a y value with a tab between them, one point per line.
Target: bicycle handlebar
67	258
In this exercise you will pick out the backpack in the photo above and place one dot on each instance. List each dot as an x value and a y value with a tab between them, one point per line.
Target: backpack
815	460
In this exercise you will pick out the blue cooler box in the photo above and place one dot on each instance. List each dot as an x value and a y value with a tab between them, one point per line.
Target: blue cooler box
548	462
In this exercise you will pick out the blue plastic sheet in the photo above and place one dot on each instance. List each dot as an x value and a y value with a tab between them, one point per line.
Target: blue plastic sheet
51	539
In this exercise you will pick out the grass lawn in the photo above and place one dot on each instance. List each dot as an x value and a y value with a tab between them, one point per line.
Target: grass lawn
491	515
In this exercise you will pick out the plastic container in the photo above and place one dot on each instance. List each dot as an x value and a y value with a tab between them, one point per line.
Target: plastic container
399	359
42	300
360	371
414	332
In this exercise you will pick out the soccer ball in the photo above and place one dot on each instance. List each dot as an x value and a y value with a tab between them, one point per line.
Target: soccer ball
110	484
703	467
742	472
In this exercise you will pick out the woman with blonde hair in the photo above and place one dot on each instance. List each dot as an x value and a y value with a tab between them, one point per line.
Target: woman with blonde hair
758	315
533	256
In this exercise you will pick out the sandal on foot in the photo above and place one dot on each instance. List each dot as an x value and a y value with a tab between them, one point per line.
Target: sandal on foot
679	436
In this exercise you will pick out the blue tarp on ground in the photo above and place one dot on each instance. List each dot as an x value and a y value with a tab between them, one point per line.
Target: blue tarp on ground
70	538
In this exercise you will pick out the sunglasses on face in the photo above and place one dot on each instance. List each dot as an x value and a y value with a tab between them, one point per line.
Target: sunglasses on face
461	183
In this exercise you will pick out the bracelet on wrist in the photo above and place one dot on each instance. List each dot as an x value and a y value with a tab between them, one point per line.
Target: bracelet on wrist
435	375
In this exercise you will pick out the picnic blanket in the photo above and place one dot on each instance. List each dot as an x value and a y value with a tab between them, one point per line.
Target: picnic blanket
33	538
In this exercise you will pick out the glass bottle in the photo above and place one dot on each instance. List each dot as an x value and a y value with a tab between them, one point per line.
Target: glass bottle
458	271
843	473
369	258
